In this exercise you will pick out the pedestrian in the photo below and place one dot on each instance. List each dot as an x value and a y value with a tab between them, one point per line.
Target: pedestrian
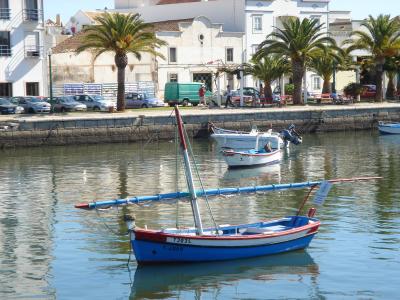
228	96
202	93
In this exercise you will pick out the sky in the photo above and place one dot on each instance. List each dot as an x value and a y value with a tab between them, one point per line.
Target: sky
360	8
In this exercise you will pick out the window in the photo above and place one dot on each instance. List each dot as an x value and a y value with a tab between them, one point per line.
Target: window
172	55
31	11
5	47
32	48
172	77
32	88
4	10
257	23
229	54
316	83
5	89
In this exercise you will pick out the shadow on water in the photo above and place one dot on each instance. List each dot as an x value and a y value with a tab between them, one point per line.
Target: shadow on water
165	281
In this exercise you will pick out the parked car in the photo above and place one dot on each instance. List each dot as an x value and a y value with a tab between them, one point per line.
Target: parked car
31	104
66	103
235	98
368	91
6	107
95	102
183	93
141	100
250	91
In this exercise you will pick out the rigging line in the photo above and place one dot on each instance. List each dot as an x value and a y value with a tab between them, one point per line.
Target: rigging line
108	227
198	176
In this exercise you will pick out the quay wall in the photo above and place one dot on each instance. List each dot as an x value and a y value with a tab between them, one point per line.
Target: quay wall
115	128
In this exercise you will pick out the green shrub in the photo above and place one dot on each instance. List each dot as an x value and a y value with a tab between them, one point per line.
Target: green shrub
353	89
289	88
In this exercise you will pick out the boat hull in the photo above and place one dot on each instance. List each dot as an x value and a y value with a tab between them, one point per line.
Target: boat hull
391	128
251	158
233	242
153	252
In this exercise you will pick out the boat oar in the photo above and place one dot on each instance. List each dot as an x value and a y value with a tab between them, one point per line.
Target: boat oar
216	192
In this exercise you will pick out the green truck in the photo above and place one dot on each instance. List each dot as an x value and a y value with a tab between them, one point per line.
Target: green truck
183	93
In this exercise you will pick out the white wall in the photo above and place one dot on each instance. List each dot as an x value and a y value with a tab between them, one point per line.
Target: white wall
19	69
69	68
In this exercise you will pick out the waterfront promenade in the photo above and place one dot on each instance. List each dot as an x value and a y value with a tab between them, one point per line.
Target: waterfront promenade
157	124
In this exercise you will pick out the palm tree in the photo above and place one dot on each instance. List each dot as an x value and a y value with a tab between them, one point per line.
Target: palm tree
120	34
381	39
392	67
324	64
297	41
267	69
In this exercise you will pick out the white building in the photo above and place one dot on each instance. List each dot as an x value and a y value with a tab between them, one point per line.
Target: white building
196	49
22	60
256	18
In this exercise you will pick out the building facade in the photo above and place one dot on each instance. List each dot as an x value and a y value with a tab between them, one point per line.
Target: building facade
22	63
256	18
197	49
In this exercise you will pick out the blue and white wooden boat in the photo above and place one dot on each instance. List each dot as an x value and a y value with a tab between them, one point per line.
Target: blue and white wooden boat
389	128
220	243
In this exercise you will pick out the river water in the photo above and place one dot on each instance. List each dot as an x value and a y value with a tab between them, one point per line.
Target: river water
50	250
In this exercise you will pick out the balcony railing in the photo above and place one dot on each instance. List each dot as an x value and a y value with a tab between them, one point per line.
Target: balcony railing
5	13
5	50
32	14
33	51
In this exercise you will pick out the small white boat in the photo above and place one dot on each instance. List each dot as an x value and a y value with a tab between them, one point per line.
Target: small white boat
254	157
242	139
389	128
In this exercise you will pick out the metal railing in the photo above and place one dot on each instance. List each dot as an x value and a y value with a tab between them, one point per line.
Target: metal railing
32	14
5	13
33	51
5	50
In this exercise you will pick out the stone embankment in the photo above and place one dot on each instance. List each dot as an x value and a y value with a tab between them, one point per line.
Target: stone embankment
151	125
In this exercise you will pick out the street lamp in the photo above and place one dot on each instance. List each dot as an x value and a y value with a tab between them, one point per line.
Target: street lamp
49	53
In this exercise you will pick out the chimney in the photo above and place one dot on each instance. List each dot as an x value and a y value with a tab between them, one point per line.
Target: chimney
58	20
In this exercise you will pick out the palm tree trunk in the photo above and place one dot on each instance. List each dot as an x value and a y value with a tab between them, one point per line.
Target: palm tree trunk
268	90
298	71
121	61
391	88
326	87
379	78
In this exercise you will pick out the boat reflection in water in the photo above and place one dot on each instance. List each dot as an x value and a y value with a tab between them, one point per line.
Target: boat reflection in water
271	173
165	281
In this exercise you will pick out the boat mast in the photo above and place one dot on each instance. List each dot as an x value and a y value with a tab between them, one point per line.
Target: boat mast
189	175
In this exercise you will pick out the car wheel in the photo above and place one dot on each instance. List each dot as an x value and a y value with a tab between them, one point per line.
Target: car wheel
185	102
195	104
31	111
96	108
144	106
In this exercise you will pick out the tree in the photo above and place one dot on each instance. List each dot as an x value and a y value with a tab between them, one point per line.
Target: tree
392	67
267	69
324	64
297	41
120	34
381	38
